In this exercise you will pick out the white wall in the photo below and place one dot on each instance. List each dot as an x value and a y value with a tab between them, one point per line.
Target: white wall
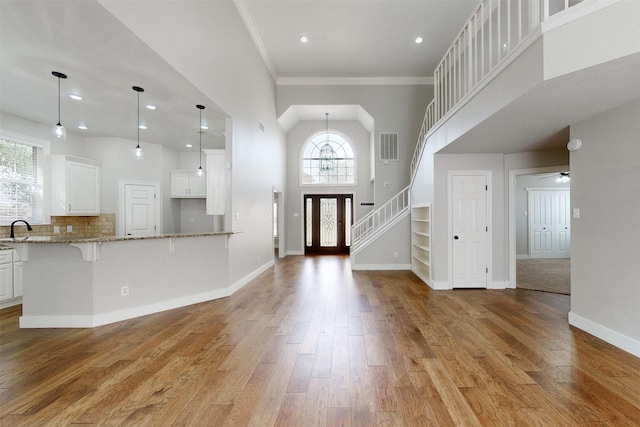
576	46
395	108
234	76
605	186
362	192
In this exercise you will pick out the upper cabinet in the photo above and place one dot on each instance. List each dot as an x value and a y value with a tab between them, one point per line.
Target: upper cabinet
187	184
216	181
75	186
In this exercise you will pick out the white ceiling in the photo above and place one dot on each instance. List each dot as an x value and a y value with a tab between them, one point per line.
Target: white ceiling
348	39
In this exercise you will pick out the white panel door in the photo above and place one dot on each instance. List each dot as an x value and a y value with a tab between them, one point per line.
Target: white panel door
140	214
469	228
549	224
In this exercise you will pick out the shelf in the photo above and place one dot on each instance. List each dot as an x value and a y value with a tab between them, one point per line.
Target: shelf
420	242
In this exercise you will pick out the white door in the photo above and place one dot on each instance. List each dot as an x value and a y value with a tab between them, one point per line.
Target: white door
469	231
549	224
140	214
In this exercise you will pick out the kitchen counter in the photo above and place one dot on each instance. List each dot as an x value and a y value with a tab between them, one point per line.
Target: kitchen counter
77	239
117	278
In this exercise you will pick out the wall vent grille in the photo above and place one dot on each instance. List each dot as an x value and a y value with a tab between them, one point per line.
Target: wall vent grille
389	146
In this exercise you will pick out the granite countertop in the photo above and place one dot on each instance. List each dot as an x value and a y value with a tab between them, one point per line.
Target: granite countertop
76	239
5	248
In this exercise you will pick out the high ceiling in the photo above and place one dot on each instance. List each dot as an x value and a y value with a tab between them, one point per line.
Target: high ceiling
350	39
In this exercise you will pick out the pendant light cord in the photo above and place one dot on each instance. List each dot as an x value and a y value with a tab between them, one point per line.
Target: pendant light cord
138	119
58	101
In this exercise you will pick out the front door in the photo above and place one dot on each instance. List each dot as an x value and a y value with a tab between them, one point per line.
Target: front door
140	214
470	231
327	223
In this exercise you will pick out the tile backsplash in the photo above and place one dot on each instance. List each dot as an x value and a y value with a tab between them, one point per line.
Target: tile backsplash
82	226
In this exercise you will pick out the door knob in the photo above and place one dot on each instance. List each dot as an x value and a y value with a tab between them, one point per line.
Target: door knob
456	237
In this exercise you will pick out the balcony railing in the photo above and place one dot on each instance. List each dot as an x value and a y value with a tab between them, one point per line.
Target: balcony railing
367	227
495	29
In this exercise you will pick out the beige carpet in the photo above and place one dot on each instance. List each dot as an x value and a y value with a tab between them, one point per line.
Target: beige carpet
544	274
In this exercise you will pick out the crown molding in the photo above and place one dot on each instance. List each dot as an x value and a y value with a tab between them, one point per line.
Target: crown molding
246	18
353	81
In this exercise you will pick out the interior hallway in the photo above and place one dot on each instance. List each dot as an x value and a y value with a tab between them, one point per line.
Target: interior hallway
311	342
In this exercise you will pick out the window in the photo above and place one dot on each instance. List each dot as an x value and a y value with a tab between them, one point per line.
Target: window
328	159
21	182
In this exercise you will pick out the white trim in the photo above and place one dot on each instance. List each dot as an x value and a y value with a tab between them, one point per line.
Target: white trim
488	176
26	139
301	160
295	253
578	11
353	81
91	321
502	284
440	285
121	204
255	36
386	267
511	249
617	339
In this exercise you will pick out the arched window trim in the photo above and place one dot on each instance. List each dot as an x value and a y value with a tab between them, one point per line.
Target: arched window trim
320	136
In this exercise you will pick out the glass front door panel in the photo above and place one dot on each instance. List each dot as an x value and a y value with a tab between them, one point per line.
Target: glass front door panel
328	222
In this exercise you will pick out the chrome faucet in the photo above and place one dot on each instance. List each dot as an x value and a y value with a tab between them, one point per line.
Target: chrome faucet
19	220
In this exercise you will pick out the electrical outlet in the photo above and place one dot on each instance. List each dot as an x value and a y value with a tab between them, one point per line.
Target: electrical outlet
56	229
124	291
395	254
69	228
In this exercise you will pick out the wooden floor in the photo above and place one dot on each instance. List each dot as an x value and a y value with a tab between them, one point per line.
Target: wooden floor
312	343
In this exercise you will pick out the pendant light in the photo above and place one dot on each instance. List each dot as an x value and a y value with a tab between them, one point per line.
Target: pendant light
59	132
327	155
138	154
200	172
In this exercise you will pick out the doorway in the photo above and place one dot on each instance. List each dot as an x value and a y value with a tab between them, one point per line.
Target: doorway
327	224
540	229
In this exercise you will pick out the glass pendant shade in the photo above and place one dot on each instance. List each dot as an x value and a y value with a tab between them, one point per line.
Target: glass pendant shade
138	154
59	131
200	172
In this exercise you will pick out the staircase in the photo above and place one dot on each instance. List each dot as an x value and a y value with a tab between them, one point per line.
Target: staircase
376	223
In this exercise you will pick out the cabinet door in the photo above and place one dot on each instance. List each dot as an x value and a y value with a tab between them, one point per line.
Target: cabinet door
179	184
6	281
17	279
83	188
197	185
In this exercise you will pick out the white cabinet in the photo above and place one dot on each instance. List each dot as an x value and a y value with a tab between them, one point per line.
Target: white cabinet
187	184
17	279
75	186
421	242
6	275
216	181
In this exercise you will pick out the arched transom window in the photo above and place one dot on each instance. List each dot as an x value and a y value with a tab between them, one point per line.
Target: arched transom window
328	159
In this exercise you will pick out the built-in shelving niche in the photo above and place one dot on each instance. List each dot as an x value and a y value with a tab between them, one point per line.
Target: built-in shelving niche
421	242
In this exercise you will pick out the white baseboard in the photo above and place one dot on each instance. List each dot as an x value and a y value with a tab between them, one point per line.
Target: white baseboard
91	321
617	339
387	267
440	286
499	285
12	302
523	256
295	252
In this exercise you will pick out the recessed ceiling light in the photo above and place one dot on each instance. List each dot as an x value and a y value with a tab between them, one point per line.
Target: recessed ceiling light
205	127
419	40
83	127
142	126
76	97
304	39
188	145
151	107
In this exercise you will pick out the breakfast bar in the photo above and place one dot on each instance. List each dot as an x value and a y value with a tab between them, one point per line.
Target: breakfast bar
86	282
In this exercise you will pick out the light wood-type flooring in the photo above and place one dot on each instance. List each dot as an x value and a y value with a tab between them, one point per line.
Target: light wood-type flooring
311	343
